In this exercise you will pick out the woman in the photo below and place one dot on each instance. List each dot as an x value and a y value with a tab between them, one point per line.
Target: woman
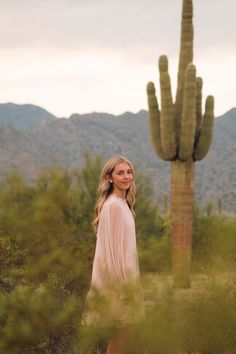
115	295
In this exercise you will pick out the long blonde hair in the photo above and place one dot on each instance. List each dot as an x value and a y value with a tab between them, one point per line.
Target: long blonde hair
105	187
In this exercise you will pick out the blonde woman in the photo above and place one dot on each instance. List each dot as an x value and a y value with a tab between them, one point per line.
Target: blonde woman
115	296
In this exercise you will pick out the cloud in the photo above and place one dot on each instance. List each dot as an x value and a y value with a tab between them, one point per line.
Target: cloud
114	24
53	51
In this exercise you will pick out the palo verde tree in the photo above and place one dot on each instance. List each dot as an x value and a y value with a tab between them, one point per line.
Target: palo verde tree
181	134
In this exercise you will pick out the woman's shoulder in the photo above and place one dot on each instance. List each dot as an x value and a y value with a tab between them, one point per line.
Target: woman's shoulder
114	202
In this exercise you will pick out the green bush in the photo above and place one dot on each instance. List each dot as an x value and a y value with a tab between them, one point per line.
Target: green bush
47	247
214	241
197	320
155	251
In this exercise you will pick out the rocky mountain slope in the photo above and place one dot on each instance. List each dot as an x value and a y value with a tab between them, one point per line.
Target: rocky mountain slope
31	143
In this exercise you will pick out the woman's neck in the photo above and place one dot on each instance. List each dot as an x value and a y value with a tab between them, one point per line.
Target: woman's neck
119	193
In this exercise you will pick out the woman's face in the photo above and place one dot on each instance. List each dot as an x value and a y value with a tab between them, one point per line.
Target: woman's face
122	176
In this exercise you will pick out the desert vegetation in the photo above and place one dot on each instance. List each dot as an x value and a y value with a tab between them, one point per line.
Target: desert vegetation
46	250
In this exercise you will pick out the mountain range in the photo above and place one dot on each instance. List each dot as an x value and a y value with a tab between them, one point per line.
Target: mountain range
32	138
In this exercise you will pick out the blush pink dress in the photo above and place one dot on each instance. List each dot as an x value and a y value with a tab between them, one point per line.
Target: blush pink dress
115	297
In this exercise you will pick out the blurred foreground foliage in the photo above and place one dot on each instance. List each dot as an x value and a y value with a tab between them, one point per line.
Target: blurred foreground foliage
46	253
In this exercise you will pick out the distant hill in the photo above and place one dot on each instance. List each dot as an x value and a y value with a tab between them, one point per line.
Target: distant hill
19	151
30	148
23	116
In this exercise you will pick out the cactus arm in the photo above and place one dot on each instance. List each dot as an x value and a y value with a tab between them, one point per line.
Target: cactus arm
167	119
206	132
185	56
188	122
154	120
198	107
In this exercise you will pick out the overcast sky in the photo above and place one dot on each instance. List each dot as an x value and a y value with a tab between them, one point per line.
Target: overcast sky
97	55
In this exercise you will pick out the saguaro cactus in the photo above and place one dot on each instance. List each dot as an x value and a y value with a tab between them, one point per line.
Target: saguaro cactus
182	135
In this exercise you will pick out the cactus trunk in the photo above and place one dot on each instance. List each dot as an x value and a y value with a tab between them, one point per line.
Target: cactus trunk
182	194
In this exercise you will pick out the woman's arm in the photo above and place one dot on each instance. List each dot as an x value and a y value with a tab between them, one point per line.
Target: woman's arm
115	228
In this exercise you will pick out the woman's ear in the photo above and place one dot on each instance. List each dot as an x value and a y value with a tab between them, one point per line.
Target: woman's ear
109	179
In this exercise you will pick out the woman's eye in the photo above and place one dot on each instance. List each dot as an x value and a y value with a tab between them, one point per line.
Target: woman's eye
128	172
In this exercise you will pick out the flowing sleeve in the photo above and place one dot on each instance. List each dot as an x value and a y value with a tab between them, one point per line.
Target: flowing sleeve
116	242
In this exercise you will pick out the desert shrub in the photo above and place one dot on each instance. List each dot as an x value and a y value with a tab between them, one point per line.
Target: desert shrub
197	320
47	248
214	241
155	250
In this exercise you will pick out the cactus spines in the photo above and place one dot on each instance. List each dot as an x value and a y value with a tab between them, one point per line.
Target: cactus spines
205	136
154	120
198	107
188	121
185	56
182	193
167	121
181	134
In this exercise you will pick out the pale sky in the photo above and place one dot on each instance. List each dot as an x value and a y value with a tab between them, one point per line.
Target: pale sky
79	56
